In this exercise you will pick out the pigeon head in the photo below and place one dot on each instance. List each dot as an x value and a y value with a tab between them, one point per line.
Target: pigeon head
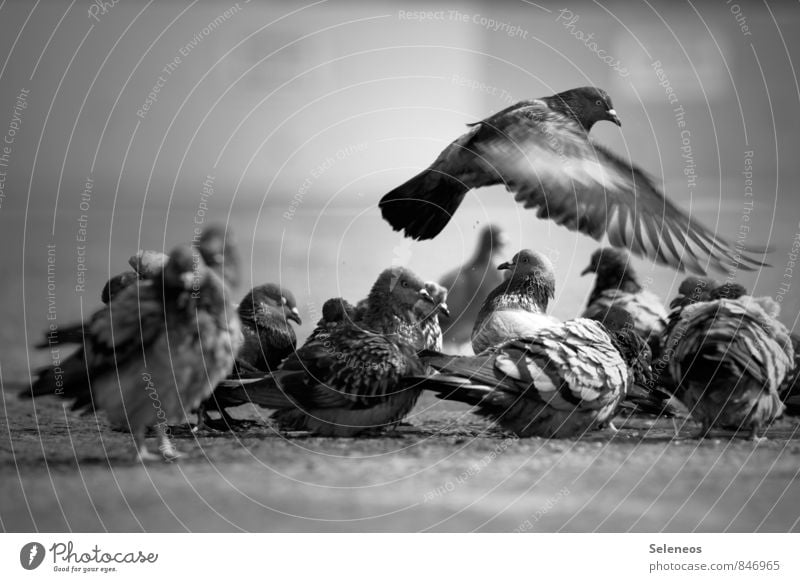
693	289
493	240
727	290
528	262
613	268
631	346
532	273
396	292
424	307
117	284
184	270
270	298
587	105
148	263
219	252
336	309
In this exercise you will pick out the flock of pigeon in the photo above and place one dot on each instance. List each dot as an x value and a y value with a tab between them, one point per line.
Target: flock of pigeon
168	341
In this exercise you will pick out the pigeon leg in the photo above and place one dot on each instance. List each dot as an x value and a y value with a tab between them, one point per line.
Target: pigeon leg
142	454
201	415
754	436
225	422
705	430
168	451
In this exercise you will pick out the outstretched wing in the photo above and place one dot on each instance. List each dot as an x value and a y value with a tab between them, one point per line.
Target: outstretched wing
550	164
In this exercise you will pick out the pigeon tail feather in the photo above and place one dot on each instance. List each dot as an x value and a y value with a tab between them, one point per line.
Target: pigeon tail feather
424	205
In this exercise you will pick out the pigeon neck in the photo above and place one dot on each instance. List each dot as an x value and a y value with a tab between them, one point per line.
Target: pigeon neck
529	292
566	106
386	316
484	253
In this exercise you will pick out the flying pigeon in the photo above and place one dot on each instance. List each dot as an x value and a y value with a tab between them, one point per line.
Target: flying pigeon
540	149
516	308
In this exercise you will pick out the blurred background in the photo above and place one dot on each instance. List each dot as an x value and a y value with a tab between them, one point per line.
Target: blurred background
126	125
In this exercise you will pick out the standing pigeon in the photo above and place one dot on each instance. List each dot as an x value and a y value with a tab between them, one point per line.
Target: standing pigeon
540	150
145	265
220	252
222	260
728	359
349	381
158	350
269	338
558	383
469	284
516	308
617	285
72	369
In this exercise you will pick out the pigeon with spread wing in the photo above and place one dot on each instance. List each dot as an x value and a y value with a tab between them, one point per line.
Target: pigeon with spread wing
540	149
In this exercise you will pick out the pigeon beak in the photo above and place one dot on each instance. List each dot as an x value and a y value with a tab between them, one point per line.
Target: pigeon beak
423	293
294	315
612	116
444	309
505	266
587	270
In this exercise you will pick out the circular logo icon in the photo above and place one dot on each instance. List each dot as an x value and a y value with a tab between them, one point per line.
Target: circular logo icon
31	555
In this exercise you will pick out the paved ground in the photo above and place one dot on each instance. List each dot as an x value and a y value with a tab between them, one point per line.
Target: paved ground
448	472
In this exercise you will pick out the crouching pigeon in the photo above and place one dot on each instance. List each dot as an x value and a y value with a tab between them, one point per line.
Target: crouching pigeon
617	285
558	383
540	150
348	380
728	359
269	338
516	307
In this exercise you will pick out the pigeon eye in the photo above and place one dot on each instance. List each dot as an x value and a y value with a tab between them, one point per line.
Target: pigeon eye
404	284
598	103
284	301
